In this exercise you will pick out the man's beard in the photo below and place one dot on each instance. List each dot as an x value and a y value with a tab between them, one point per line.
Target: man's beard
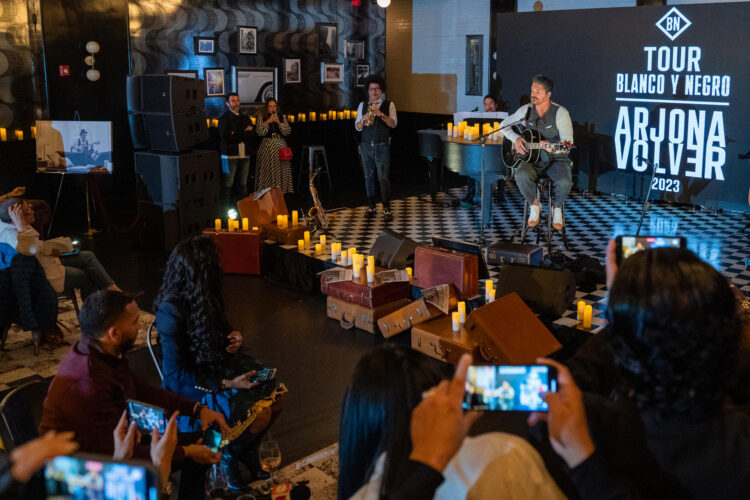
127	345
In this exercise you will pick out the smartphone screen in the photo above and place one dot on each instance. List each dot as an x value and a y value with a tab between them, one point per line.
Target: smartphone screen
263	375
83	476
212	438
629	245
509	387
146	416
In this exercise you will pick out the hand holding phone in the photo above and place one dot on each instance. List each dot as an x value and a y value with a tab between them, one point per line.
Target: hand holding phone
630	245
146	416
509	387
263	376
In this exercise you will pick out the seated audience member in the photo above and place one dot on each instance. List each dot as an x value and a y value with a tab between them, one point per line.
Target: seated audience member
94	382
200	351
42	211
374	437
64	272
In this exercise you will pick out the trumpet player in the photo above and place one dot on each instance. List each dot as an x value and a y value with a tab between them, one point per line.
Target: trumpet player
375	119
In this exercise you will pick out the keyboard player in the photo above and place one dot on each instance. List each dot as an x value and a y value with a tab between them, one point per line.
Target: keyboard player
490	106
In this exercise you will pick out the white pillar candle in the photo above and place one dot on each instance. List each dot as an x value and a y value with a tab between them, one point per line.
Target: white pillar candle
323	240
491	296
371	261
301	245
318	249
462	312
370	274
307	239
456	321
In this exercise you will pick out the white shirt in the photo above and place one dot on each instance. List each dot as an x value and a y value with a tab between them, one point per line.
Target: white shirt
28	243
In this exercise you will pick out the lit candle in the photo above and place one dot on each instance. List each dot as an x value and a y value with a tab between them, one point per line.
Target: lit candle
318	249
285	221
208	122
323	240
255	228
307	239
295	218
341	115
450	129
230	226
215	122
245	224
347	114
333	253
370	274
301	245
350	253
588	312
491	296
217	224
462	311
355	269
488	285
354	113
33	132
371	260
279	221
19	135
581	308
252	120
291	118
410	272
323	118
312	116
456	321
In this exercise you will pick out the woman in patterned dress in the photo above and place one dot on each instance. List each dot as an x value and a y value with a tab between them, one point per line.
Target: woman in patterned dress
271	171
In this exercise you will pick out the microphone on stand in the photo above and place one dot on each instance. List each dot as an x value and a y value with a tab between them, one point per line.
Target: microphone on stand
525	121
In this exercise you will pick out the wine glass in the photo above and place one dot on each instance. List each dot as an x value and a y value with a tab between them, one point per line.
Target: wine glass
216	483
270	456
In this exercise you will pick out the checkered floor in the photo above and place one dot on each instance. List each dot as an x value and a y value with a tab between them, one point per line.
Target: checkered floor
591	221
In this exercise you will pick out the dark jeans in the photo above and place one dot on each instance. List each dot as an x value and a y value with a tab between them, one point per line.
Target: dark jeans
234	175
377	156
84	271
558	171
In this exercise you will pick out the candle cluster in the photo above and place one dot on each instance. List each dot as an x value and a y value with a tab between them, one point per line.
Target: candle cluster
471	132
234	225
585	313
18	134
459	316
489	291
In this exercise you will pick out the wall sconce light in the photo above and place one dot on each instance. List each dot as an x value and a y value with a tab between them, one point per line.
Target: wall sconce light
92	73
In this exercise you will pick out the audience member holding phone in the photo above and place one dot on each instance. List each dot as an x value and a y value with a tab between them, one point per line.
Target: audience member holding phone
200	350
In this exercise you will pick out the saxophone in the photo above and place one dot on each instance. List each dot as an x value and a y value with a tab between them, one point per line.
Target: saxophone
317	212
370	118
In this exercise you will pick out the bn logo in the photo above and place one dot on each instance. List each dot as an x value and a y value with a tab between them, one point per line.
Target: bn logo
673	23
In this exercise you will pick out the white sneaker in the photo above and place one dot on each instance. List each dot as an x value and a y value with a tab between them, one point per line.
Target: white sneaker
535	210
557	219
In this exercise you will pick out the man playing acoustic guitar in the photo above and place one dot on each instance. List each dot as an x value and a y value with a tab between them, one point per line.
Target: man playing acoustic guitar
552	122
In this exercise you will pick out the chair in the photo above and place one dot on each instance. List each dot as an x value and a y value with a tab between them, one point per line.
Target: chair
71	296
311	152
21	413
152	351
544	194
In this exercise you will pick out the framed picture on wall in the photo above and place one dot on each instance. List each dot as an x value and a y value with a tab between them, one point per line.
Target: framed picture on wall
354	49
292	71
214	78
362	74
331	72
247	39
185	73
204	45
328	40
254	85
474	64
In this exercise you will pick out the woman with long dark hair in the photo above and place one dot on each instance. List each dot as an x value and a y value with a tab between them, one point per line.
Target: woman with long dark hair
375	444
200	351
271	170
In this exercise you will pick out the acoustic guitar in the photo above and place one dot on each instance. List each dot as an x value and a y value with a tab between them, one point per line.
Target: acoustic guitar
536	153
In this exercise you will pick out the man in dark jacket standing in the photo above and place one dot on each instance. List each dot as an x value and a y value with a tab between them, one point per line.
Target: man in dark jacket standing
236	134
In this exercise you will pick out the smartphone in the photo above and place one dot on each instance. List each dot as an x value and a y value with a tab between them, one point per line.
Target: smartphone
91	476
212	438
628	245
263	376
147	416
76	249
509	387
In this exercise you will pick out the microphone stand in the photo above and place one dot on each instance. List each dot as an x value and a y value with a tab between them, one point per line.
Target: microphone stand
648	193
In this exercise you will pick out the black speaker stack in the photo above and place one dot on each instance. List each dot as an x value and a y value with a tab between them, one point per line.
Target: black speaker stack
177	186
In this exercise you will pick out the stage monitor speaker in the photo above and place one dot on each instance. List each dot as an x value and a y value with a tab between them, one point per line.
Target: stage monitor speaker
172	94
137	131
546	291
133	90
176	133
177	179
164	225
393	250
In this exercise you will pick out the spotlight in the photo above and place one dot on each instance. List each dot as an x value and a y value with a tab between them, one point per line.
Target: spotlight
232	213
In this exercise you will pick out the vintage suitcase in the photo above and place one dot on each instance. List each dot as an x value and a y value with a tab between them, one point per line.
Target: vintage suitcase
437	266
437	339
359	291
414	313
353	315
508	252
241	251
508	332
262	207
286	236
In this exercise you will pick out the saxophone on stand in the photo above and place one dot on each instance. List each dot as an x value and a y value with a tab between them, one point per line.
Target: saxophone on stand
317	213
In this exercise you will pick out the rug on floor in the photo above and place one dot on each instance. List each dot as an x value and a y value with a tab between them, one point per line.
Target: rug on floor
319	472
18	363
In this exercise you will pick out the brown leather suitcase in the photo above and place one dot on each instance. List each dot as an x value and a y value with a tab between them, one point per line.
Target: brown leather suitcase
288	235
437	339
437	266
414	313
265	209
508	332
359	291
241	251
356	316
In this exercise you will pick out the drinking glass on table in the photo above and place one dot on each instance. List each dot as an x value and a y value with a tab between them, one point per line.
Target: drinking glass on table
270	456
216	483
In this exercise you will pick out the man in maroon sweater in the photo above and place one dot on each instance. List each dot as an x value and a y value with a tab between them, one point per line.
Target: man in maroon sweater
90	390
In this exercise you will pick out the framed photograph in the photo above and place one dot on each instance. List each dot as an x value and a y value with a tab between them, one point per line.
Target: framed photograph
474	45
292	71
354	49
328	40
185	73
204	45
254	85
247	39
75	147
363	73
331	72
214	78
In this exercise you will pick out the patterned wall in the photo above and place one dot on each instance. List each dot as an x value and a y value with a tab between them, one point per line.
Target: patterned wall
19	55
162	34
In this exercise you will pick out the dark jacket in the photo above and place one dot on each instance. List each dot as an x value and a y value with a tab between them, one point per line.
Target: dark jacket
232	132
26	296
89	394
